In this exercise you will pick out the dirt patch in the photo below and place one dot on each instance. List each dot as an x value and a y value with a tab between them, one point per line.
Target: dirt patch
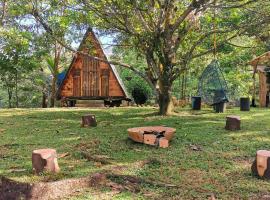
260	197
243	162
12	190
2	130
92	144
103	160
4	152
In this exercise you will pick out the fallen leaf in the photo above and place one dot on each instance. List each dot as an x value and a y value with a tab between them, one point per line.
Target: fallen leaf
195	147
62	155
212	197
115	186
138	150
2	130
17	170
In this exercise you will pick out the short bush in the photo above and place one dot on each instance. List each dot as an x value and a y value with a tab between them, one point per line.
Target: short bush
139	95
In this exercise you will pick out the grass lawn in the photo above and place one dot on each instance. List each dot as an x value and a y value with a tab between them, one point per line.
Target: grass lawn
222	167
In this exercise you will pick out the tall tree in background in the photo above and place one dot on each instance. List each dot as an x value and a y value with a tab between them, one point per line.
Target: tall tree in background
53	65
15	60
166	33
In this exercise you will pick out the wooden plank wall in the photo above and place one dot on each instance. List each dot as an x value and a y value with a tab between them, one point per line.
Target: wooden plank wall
87	88
85	65
263	89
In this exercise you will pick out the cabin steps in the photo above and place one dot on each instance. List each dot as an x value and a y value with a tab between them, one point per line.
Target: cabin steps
90	103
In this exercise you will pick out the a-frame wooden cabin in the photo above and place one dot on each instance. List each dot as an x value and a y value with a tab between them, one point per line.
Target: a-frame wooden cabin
90	79
261	65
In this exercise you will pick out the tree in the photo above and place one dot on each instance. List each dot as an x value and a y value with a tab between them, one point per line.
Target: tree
53	65
168	33
15	60
165	32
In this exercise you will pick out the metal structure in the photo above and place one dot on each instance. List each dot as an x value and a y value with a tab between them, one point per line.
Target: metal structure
212	85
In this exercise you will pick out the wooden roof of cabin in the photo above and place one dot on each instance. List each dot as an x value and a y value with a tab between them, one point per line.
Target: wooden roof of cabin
81	47
261	60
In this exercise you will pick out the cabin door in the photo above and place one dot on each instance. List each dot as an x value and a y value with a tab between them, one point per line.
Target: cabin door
77	83
105	74
90	77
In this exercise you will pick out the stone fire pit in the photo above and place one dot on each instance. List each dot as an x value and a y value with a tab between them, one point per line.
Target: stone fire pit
152	135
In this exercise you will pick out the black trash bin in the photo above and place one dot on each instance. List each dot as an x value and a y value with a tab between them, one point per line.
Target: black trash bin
220	107
244	104
196	103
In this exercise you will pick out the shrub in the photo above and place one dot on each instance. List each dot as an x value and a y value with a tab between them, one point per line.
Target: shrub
139	95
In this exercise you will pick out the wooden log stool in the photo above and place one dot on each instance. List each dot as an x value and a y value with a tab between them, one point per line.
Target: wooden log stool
89	121
45	159
233	123
261	165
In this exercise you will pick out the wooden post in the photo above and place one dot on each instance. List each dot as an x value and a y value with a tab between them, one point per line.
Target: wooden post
263	89
233	123
261	165
89	121
45	159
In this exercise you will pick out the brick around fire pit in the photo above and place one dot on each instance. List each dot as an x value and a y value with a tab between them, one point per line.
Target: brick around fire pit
152	135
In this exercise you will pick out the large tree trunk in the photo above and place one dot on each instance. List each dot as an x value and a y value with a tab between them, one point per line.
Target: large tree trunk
53	92
16	89
9	92
4	10
44	99
165	99
57	55
9	97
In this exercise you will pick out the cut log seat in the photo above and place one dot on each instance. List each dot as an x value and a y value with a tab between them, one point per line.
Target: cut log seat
45	159
261	165
89	121
233	123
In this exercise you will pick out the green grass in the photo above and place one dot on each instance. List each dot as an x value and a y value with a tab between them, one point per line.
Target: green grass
221	168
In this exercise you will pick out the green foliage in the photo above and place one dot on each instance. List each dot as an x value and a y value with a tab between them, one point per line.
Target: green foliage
131	81
247	25
139	95
16	61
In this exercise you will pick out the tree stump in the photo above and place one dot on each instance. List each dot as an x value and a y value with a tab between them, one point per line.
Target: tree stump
261	165
233	123
45	159
89	121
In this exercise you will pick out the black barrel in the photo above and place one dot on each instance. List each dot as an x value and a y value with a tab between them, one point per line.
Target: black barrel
196	103
220	107
244	104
